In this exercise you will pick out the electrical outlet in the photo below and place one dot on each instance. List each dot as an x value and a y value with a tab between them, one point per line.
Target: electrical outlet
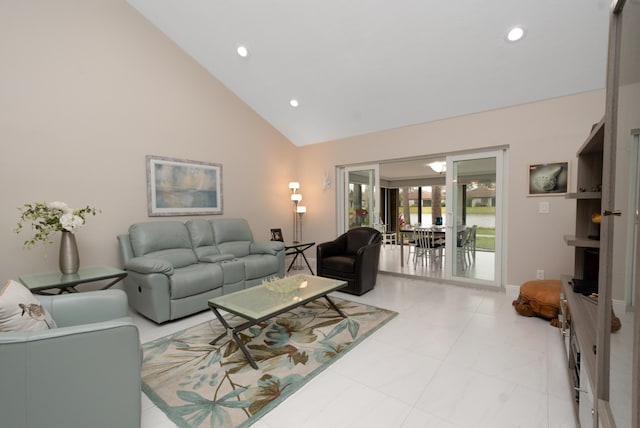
539	274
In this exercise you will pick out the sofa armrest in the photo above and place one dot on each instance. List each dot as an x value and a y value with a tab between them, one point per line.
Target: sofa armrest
85	308
267	247
68	331
215	258
68	374
149	265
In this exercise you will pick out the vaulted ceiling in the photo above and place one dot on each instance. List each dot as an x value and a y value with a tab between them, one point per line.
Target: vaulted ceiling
358	66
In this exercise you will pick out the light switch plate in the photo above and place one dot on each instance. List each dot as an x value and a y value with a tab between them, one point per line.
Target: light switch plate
543	208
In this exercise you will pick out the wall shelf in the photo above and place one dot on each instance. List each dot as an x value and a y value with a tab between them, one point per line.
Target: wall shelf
584	195
581	241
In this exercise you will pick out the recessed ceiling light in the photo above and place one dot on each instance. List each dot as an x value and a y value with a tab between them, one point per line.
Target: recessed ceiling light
242	51
294	103
515	34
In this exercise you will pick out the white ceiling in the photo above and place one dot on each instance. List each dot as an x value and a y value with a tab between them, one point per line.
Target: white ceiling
358	66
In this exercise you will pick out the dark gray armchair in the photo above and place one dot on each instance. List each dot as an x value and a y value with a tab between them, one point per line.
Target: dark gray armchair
352	257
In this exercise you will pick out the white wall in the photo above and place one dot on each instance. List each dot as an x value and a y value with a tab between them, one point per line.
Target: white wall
87	89
547	131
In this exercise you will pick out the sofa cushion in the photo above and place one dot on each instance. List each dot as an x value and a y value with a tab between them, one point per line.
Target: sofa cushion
21	311
259	265
232	235
195	279
201	232
167	240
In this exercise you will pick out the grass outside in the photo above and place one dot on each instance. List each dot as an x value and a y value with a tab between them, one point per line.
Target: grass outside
486	239
470	210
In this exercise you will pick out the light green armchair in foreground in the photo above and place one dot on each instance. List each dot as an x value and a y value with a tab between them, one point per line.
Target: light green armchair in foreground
84	373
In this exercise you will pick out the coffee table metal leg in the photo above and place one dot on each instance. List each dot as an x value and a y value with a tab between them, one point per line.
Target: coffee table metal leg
336	308
244	350
231	331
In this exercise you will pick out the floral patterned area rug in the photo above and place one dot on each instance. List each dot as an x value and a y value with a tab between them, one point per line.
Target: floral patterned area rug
201	385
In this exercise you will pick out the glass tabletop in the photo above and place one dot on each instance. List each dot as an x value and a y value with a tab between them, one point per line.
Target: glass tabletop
294	244
261	301
35	281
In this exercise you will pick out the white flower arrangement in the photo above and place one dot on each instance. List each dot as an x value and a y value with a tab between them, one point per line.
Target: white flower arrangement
50	217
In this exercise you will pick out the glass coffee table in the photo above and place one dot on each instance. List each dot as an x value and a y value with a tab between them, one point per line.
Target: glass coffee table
270	299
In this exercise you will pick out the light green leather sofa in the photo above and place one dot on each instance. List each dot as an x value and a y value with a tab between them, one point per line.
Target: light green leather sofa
85	373
174	268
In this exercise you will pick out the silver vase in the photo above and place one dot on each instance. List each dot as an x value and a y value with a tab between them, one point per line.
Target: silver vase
69	258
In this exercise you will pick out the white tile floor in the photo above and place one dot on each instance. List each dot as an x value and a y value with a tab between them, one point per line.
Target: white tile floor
482	267
453	357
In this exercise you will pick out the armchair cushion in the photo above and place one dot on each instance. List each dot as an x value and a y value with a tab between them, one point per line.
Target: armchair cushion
21	311
344	263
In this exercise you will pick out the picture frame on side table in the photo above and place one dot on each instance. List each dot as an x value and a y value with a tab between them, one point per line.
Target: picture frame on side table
548	179
183	187
276	235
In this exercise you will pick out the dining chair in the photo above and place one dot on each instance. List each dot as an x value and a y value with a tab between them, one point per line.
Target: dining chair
410	241
428	246
462	247
387	237
471	243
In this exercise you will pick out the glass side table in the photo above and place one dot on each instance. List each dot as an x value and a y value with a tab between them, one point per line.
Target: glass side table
38	282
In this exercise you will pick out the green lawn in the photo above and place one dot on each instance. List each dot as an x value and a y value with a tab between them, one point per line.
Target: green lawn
470	210
486	239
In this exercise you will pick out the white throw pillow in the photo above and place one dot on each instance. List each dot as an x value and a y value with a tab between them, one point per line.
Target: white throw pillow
21	311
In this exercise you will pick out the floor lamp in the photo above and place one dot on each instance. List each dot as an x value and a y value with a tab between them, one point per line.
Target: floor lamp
296	198
300	210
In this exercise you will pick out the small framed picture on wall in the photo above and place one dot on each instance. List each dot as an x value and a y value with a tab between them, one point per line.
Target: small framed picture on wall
276	235
549	179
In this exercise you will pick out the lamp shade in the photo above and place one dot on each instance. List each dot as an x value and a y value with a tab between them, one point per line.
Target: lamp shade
296	197
294	185
301	209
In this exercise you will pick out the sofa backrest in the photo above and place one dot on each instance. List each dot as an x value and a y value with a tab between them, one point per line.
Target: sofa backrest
201	232
232	236
166	240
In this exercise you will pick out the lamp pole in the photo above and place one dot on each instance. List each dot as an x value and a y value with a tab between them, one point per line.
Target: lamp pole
296	198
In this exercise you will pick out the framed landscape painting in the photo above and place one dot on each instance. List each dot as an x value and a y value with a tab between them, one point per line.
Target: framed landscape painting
549	179
183	187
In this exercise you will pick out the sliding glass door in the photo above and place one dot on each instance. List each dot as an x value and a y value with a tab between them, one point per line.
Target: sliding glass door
358	204
474	218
